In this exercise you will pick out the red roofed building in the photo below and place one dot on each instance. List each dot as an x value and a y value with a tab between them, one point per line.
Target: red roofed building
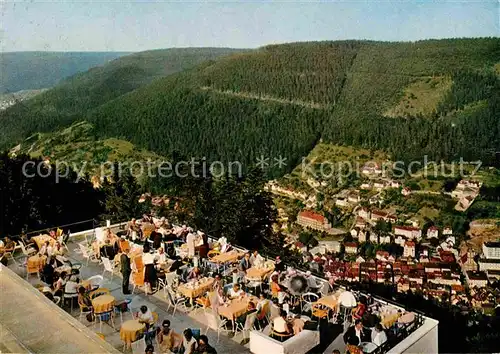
408	231
409	249
447	256
351	247
382	255
313	220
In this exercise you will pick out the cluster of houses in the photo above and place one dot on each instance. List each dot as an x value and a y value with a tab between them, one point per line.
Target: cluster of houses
466	192
309	200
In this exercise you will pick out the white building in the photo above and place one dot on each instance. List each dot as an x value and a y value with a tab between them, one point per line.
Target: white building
476	279
491	250
409	249
447	231
432	232
408	231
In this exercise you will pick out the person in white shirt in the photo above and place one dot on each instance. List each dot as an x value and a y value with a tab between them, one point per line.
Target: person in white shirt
256	260
161	257
378	335
50	250
71	287
189	342
44	249
280	325
235	291
145	315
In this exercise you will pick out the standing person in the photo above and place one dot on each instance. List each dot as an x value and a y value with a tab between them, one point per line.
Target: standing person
189	342
126	271
190	240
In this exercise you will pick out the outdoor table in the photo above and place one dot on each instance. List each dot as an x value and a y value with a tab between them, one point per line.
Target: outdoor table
368	347
231	256
36	262
236	308
329	301
130	330
191	290
258	273
41	239
103	303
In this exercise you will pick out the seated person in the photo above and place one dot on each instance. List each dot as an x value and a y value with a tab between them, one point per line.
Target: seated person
44	250
194	274
9	245
378	335
235	292
47	274
176	265
59	284
84	299
48	293
108	251
280	326
352	345
245	262
157	239
204	347
298	324
218	283
359	311
168	340
251	308
71	287
279	265
256	260
355	331
161	257
145	315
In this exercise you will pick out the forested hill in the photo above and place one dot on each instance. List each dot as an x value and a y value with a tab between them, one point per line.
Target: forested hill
436	97
37	70
69	101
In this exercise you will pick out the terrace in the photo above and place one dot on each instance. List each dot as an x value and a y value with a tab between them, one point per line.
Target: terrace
328	325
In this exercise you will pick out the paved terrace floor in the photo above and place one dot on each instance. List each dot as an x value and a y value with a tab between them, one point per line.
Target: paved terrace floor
154	302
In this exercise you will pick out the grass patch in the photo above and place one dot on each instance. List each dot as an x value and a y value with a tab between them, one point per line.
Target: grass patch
421	97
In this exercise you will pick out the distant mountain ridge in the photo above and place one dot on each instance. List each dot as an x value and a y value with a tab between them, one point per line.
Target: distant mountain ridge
439	98
38	70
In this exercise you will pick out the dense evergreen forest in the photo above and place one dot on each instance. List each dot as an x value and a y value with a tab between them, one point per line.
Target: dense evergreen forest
281	100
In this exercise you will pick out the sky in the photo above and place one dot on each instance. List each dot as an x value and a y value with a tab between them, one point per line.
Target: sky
140	25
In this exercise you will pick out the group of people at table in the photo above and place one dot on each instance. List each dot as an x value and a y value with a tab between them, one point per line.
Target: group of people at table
173	254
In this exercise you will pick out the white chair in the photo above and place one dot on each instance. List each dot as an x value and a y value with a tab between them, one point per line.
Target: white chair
108	266
215	323
28	252
308	299
87	253
96	281
274	311
175	301
61	241
57	300
248	326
